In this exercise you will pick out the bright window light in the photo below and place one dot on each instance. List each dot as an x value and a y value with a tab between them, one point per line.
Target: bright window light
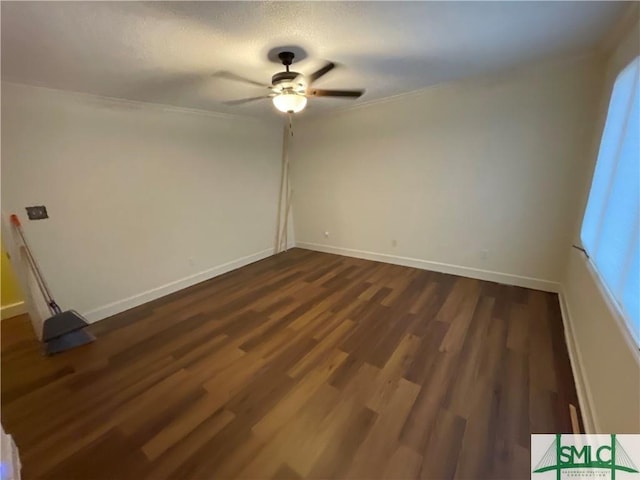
610	227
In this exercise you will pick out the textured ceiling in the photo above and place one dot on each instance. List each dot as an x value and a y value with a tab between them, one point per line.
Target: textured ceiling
166	52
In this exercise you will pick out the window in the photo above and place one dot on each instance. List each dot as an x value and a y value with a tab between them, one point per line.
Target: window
612	218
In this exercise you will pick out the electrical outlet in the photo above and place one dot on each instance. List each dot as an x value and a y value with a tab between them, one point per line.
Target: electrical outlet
394	243
484	254
192	262
326	234
37	213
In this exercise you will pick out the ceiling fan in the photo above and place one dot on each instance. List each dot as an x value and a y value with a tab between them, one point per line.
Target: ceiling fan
290	90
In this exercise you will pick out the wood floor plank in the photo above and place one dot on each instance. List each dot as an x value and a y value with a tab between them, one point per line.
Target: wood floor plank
301	365
404	463
311	359
463	391
382	440
307	387
179	454
181	426
336	456
421	420
440	458
476	451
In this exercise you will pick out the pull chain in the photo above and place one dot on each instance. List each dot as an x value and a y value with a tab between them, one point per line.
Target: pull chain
284	201
288	192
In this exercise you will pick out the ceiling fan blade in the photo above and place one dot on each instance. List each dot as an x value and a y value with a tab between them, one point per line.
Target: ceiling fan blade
316	92
239	78
319	73
246	100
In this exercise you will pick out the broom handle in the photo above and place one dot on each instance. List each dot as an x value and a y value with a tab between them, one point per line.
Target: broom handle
42	284
41	287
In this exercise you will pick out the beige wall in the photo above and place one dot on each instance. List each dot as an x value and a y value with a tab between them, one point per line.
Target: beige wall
143	200
475	178
606	361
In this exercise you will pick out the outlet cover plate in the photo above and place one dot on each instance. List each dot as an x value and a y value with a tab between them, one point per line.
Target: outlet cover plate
37	213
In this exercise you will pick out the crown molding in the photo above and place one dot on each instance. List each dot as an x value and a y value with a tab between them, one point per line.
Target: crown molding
495	76
306	114
126	103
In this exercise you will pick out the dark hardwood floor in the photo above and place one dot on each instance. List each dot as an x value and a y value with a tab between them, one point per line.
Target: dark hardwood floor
301	365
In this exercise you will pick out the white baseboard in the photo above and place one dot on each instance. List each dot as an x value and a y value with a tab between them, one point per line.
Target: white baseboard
506	278
155	293
12	310
589	418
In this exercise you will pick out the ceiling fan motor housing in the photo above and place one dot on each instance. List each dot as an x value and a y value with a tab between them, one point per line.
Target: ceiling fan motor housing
284	77
285	81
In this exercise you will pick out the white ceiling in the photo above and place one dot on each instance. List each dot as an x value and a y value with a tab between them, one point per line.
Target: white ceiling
165	52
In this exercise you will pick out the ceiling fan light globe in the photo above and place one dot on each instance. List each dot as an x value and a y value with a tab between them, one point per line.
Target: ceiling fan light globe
290	102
